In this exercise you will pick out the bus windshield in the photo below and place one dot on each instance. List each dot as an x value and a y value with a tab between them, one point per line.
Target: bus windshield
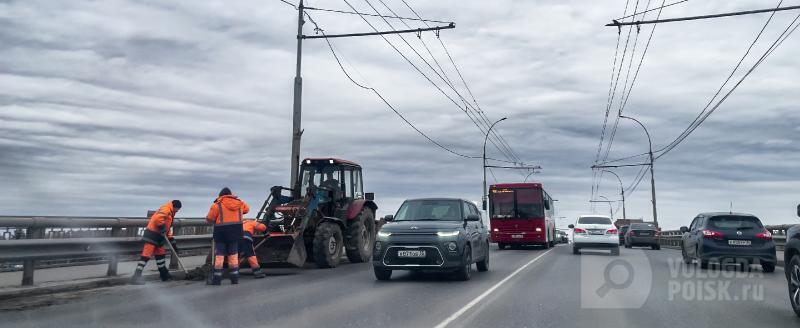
516	203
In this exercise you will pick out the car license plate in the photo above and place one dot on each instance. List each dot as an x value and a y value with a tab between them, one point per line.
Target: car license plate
516	236
739	242
644	234
596	232
412	254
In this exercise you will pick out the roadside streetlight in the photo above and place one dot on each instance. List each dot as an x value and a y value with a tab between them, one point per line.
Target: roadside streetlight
485	194
621	193
652	175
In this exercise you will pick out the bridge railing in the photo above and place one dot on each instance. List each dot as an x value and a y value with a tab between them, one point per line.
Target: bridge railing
47	241
672	238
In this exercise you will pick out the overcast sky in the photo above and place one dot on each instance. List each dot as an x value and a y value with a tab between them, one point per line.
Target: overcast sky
113	107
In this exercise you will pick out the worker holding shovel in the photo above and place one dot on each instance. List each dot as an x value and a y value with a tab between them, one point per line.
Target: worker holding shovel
155	236
226	215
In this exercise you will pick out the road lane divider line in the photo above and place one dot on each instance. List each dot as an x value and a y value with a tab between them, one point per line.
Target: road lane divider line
480	297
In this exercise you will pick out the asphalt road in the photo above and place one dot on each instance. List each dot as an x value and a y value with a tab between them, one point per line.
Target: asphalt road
524	288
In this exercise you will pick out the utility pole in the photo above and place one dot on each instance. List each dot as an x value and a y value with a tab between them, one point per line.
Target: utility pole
297	128
621	193
652	170
297	131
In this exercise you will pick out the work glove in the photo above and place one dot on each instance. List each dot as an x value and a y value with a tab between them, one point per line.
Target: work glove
174	244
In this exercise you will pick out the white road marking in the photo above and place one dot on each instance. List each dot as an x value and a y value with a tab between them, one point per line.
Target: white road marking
469	305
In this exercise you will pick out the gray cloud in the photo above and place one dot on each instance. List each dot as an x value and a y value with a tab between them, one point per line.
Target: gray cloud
112	107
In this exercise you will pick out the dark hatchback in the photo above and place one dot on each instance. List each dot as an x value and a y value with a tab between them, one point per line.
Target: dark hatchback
728	237
433	234
791	257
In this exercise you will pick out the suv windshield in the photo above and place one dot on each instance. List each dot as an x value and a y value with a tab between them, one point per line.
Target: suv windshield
516	203
434	210
643	226
594	220
734	222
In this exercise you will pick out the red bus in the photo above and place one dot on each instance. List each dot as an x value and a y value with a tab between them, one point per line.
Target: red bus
521	214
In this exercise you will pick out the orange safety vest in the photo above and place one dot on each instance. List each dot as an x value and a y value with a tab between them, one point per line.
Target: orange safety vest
160	223
227	210
251	226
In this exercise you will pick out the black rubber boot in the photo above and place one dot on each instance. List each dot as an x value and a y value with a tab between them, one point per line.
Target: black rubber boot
216	277
258	274
164	273
137	278
234	276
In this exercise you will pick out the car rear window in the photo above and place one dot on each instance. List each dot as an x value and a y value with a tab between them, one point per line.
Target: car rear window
594	220
734	222
643	226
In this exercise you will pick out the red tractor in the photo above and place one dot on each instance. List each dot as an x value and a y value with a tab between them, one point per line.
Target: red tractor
325	214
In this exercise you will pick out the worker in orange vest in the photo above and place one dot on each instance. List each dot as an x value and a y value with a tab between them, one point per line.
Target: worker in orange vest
157	233
226	215
246	246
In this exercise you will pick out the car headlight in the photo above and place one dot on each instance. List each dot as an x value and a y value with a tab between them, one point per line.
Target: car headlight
384	234
448	233
451	246
538	229
496	230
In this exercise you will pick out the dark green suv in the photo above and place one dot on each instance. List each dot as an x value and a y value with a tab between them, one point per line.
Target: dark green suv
432	234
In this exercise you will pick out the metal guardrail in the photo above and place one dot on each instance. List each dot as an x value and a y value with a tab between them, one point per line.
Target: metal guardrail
49	238
672	238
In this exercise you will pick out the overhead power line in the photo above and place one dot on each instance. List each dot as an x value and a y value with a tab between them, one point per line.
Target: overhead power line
365	14
680	19
486	120
649	10
706	113
411	62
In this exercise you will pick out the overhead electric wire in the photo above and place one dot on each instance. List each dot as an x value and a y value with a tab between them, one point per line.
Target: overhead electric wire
371	15
341	66
412	64
609	101
654	9
466	86
445	80
701	117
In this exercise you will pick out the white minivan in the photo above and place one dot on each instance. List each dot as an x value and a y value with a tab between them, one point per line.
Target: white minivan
594	231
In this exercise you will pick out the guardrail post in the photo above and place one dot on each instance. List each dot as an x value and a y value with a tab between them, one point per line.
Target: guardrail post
28	266
113	261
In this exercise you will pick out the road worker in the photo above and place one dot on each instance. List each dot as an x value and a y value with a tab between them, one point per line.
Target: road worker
158	232
246	246
226	215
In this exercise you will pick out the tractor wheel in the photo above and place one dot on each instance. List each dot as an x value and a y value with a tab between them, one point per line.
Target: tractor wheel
328	245
361	237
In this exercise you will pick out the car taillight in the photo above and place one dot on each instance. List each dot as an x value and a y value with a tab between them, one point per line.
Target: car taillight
658	233
630	232
764	235
612	231
579	230
711	234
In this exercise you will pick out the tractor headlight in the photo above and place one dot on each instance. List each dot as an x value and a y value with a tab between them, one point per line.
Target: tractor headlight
448	233
384	234
451	246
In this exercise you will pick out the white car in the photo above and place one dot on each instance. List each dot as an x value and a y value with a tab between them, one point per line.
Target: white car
594	231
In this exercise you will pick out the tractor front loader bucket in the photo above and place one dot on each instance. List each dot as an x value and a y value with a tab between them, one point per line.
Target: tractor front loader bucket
287	244
280	249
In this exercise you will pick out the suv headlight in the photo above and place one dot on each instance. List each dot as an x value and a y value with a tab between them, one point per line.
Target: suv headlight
384	234
448	233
